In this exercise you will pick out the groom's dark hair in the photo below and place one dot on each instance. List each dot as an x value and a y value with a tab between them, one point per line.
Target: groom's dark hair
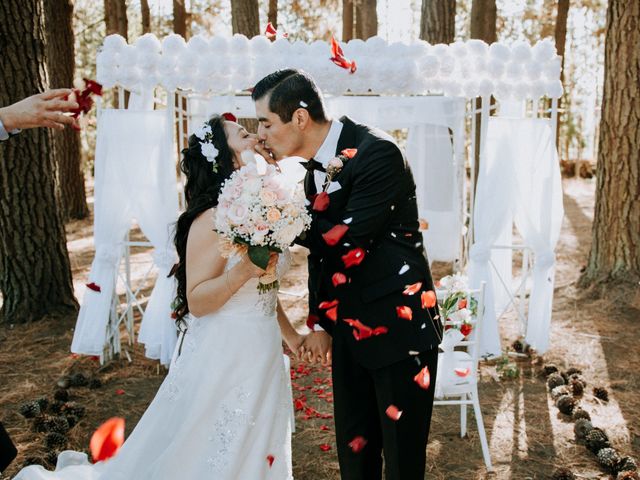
289	90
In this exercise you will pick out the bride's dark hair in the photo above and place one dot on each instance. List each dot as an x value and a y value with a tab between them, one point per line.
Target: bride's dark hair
201	192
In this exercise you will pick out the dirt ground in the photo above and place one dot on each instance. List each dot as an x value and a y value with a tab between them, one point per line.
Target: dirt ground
528	437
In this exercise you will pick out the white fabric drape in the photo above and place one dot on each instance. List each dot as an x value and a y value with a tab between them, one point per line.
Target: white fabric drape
519	180
135	178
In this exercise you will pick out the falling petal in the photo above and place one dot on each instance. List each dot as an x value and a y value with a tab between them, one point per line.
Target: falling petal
423	378
412	289
332	314
353	257
333	236
327	304
325	447
393	413
338	279
107	439
348	220
312	320
404	312
405	268
270	459
357	444
466	328
94	287
462	372
428	299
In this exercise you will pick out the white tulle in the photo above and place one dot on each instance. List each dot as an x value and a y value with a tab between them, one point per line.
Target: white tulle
222	410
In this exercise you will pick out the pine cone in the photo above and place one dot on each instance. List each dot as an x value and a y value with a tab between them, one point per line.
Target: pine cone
61	395
95	383
39	424
609	458
557	392
596	440
555	380
57	424
563	474
581	428
72	408
78	380
30	409
33	460
55	441
64	382
601	393
628	464
549	368
628	475
43	402
580	413
72	420
573	371
56	407
566	404
577	388
51	457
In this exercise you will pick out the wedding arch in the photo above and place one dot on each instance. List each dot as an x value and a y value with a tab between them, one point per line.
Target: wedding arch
427	91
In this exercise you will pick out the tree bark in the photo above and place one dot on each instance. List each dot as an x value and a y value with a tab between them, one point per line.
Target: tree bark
347	20
180	18
366	18
146	16
115	17
483	20
245	17
438	21
561	40
61	65
483	27
272	14
615	248
35	276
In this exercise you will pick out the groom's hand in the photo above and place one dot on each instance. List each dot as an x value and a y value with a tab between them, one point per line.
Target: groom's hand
266	153
316	348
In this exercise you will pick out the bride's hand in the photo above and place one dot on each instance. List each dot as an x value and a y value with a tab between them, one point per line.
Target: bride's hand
266	153
294	342
252	270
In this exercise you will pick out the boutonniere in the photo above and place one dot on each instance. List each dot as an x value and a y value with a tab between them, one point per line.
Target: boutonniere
337	163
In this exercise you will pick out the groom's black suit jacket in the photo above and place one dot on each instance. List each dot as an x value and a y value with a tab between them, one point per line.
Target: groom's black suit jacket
378	195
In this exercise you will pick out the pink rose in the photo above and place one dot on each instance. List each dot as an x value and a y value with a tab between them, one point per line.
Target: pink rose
237	213
273	215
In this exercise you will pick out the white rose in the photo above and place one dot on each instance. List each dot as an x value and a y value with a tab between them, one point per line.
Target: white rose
202	132
209	151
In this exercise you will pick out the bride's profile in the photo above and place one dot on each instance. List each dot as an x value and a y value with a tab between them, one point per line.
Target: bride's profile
224	409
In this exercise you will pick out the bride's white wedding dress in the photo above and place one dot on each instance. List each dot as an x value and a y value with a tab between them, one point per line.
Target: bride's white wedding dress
222	413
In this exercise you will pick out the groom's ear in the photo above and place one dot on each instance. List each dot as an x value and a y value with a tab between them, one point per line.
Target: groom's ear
300	118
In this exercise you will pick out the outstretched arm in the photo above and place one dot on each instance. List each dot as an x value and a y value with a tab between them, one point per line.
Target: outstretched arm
289	334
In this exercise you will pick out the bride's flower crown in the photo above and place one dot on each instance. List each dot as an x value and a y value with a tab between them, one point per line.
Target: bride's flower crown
207	147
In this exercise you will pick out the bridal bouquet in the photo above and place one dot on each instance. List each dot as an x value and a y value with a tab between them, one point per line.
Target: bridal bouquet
260	212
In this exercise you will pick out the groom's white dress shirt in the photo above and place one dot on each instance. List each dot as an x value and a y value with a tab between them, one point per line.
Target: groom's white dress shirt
327	151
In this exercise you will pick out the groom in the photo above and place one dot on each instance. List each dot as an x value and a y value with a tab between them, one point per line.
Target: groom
367	274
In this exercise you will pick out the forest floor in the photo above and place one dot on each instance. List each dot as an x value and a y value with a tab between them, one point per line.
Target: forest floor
528	437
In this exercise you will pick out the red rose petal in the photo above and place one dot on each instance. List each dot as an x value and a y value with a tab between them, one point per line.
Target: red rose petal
462	372
328	304
325	447
404	312
337	57
428	299
349	152
332	314
321	202
423	378
353	257
312	319
119	391
93	87
362	331
324	428
338	279
107	439
393	413
94	287
466	328
229	116
462	303
333	236
357	444
412	289
270	459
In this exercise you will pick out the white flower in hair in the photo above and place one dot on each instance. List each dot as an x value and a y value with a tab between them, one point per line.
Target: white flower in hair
203	131
209	150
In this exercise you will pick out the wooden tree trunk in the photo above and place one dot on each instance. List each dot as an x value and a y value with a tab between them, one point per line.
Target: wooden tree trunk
115	17
561	40
272	13
347	20
483	27
615	248
146	16
438	21
180	18
35	277
245	17
61	65
366	18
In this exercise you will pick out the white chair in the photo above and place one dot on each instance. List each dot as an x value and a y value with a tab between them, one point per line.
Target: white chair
452	389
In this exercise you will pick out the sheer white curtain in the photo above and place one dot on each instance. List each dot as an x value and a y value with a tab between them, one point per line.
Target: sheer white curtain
135	178
519	180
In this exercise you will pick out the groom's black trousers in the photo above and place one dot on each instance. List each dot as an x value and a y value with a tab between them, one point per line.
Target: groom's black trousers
361	398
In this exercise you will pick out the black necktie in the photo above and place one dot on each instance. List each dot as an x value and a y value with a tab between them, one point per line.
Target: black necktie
309	179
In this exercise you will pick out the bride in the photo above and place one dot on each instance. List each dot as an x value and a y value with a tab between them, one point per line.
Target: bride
224	410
